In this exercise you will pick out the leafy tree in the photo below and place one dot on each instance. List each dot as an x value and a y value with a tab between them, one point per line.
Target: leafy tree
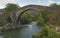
42	19
10	9
26	17
44	16
55	5
44	31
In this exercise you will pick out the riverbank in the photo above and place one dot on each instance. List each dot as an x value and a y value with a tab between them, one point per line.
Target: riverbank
14	27
2	29
50	31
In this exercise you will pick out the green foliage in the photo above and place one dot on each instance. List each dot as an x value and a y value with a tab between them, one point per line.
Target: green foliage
53	34
9	10
44	31
38	35
11	7
26	17
55	5
42	19
47	33
44	16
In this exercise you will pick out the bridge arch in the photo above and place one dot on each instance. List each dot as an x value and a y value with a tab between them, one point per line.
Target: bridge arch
21	13
39	8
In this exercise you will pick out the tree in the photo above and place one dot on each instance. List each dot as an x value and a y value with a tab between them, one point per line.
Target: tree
26	17
55	5
11	7
44	16
44	31
42	19
10	10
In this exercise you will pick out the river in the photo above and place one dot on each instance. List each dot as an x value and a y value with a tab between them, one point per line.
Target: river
25	32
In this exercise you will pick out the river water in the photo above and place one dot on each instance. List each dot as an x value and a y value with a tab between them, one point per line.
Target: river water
25	32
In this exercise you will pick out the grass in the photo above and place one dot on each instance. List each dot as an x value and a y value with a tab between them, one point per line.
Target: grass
51	34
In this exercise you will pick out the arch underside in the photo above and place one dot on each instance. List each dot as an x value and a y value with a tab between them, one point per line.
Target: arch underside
19	16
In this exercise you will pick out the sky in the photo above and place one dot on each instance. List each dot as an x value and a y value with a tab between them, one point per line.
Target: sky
22	3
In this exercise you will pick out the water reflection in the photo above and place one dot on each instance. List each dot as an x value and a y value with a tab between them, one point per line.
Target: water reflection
25	32
11	34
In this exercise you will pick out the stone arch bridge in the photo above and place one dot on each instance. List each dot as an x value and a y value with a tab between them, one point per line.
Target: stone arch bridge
36	7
